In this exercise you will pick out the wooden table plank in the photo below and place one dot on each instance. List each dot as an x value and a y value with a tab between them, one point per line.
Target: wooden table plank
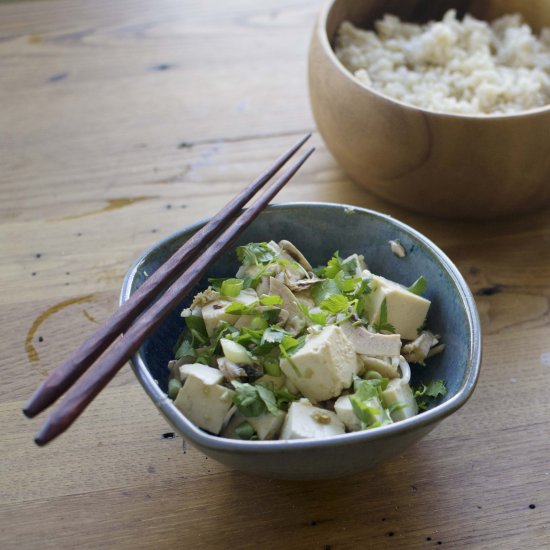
122	122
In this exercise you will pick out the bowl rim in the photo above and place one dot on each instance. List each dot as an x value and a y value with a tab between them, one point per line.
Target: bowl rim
321	31
425	419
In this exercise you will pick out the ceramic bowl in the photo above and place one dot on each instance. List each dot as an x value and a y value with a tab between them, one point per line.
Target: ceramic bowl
456	166
319	230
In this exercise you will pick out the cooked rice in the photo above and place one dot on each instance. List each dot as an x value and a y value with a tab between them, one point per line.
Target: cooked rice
468	66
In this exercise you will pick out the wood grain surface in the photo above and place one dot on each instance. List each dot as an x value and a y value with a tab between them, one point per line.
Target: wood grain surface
120	122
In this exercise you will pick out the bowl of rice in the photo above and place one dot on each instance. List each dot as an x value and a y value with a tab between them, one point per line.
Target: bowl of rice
440	107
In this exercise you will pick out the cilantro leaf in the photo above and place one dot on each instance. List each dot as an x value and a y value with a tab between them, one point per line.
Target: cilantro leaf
419	286
196	323
350	266
252	401
345	283
273	336
255	254
318	318
185	349
238	308
426	395
247	400
271	300
336	303
383	320
270	339
268	397
322	290
334	265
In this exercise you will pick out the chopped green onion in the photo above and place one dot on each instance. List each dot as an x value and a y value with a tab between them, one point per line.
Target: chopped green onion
271	367
231	287
245	431
174	386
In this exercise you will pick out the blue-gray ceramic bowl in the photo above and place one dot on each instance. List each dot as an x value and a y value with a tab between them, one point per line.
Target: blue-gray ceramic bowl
319	230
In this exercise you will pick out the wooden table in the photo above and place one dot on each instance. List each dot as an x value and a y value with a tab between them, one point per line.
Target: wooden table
120	122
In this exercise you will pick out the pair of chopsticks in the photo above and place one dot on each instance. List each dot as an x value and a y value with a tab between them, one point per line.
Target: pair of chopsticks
138	317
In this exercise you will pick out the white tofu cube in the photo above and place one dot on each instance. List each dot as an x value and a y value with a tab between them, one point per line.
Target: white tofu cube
207	374
324	366
214	312
406	311
266	426
206	405
398	392
304	421
344	411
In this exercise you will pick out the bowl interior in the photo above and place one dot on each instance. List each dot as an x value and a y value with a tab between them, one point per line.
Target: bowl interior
319	230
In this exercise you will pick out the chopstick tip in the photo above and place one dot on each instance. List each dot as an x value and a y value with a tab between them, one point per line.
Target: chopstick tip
29	413
46	433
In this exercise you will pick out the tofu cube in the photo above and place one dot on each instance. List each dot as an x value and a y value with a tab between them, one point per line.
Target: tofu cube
214	312
203	403
266	426
207	374
399	392
324	366
345	413
406	311
304	421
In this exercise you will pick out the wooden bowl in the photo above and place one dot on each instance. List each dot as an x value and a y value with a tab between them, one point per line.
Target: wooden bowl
448	165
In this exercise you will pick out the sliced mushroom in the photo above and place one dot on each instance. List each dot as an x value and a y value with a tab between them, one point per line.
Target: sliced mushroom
386	368
368	343
417	350
175	364
283	317
263	286
230	370
296	321
295	254
303	284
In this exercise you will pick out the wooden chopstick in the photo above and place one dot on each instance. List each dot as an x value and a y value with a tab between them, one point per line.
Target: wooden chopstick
64	376
86	389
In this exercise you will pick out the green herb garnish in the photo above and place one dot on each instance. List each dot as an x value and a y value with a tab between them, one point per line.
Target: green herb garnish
425	395
255	254
252	401
246	431
383	320
231	287
419	286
